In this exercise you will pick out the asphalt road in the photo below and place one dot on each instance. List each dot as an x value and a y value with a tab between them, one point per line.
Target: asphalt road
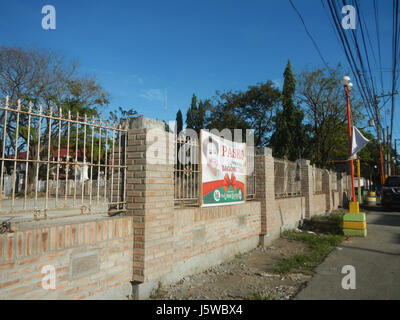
376	260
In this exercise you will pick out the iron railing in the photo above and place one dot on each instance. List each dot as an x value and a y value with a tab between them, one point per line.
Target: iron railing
334	180
317	180
56	162
251	180
187	175
187	172
287	179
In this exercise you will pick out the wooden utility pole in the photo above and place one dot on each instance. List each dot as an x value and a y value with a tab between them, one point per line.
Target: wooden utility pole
378	124
379	132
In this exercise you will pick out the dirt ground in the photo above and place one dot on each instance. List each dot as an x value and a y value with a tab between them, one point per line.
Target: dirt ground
248	276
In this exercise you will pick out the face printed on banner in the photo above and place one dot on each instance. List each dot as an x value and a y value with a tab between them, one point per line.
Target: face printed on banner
212	155
211	152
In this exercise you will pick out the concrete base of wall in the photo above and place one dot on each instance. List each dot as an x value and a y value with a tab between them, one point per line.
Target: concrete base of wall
197	264
122	292
266	240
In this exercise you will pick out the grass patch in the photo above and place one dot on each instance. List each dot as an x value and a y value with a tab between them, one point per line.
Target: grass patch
239	255
334	217
258	296
158	293
319	247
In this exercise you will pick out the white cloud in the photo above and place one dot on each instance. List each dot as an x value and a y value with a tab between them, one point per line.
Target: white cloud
152	94
137	78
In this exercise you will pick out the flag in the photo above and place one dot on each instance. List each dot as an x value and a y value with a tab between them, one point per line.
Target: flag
358	142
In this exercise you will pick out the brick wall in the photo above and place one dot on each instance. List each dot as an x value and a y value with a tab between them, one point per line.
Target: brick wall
100	256
224	230
150	197
92	259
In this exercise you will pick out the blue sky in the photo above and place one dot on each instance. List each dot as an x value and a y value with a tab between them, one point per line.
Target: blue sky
141	49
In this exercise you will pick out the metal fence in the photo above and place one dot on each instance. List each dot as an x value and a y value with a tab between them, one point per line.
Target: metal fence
251	181
287	179
187	173
334	180
53	163
317	179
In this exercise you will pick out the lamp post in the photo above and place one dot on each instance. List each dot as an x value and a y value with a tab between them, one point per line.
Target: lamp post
348	86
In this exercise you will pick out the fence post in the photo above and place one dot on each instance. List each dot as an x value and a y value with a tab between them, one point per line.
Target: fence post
340	187
327	189
265	193
150	200
307	186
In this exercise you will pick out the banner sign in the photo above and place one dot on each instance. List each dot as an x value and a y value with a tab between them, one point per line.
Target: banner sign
223	173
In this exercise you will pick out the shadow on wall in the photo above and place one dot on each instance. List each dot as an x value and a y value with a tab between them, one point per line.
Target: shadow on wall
345	200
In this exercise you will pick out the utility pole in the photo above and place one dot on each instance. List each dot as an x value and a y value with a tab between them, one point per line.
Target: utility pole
378	124
388	161
379	132
395	151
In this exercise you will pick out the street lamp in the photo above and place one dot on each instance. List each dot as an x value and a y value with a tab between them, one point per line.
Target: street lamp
348	86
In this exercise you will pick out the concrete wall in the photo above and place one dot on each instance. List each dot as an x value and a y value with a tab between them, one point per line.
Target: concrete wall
291	212
319	204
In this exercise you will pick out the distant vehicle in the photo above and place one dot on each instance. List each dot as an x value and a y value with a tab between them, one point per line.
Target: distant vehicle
391	192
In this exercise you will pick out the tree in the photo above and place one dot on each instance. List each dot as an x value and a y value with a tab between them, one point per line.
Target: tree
322	98
121	113
38	77
191	113
195	116
179	121
250	109
288	139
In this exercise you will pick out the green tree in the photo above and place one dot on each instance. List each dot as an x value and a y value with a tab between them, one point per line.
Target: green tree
250	109
195	116
179	121
191	113
38	77
121	113
324	104
288	139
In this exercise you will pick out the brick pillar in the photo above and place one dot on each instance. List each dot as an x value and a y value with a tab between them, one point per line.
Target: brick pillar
307	189
327	189
265	193
340	187
150	198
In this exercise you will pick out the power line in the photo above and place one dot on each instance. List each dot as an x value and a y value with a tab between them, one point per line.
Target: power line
309	34
379	41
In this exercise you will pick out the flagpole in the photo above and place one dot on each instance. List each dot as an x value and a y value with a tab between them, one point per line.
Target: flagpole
359	180
350	136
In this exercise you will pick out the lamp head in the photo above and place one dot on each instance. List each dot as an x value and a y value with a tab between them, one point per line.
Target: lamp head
345	80
350	86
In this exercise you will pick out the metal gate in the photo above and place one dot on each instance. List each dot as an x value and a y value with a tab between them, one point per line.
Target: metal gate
55	164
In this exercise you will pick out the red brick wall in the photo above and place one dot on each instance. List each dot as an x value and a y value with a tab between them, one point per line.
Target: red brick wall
222	226
24	253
